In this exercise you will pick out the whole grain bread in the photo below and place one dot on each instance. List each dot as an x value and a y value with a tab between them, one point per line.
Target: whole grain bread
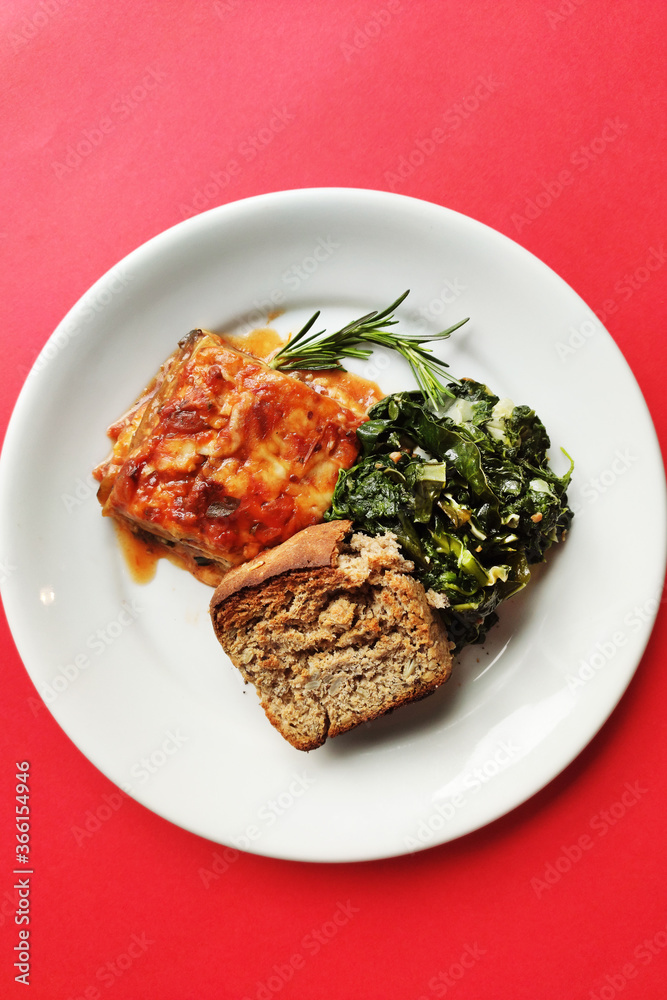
332	633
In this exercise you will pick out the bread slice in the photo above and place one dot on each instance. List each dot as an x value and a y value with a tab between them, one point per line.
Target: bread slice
331	634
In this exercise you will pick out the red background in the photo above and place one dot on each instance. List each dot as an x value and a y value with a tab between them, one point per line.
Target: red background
360	86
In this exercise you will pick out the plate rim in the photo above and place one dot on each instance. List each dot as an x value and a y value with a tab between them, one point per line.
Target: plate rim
211	216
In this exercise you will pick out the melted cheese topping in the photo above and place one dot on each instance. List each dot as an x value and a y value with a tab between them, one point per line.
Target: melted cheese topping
224	455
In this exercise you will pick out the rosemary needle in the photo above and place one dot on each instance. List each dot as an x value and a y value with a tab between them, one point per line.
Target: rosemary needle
321	351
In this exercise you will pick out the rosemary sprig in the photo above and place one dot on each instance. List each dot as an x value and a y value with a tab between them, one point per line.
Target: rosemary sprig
323	351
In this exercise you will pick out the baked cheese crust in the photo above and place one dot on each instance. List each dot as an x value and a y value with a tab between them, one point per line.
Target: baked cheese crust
222	457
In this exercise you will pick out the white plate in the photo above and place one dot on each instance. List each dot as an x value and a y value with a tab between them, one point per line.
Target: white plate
134	674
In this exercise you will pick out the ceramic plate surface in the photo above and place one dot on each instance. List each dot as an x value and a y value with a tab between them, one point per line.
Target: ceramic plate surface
134	674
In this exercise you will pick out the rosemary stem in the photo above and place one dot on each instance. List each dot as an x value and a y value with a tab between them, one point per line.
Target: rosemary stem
321	351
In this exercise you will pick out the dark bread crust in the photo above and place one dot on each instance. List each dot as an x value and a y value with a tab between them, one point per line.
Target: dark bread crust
313	547
331	646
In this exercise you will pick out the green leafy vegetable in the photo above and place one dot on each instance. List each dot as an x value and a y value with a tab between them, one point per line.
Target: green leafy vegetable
468	492
323	350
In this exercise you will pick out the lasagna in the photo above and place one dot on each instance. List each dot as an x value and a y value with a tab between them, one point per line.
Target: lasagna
222	457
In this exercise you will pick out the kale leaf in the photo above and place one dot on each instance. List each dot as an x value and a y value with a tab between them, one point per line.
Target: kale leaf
468	492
